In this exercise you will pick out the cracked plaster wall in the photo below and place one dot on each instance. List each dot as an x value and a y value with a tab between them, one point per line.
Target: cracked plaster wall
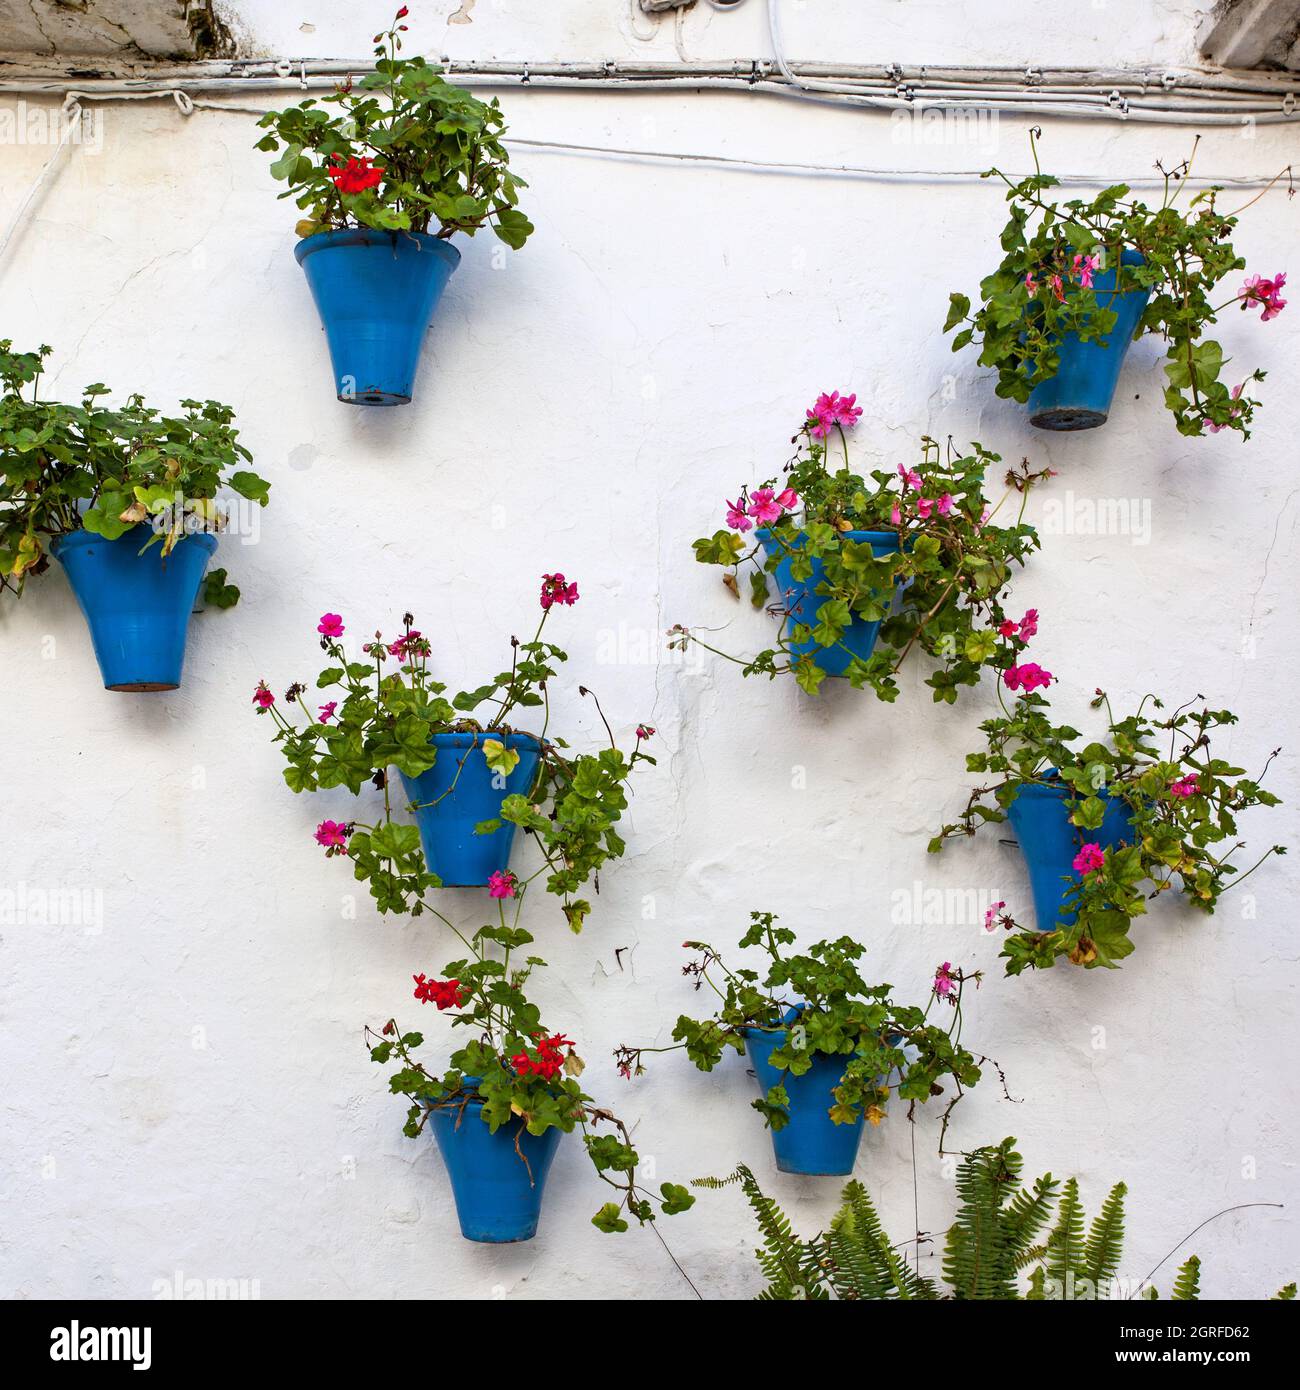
187	1089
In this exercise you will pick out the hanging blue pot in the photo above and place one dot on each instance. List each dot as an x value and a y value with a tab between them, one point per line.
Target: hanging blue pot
802	601
375	292
459	792
137	606
1078	397
1040	818
811	1143
498	1188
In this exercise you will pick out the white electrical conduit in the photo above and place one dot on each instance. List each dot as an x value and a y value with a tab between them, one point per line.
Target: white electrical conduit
187	105
1234	110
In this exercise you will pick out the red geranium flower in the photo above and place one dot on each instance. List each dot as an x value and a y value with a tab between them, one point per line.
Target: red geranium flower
355	176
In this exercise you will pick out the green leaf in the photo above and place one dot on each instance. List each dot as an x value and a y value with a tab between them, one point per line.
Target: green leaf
499	758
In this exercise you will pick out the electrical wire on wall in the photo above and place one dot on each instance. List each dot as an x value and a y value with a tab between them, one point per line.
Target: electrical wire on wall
1175	98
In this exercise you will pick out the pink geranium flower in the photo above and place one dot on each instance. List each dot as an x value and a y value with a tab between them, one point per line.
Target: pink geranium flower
737	519
262	696
1084	267
401	646
830	409
1186	786
1029	624
1030	283
944	504
991	915
911	478
1029	676
555	590
327	712
924	507
1057	288
943	980
502	885
333	835
1258	290
895	516
1089	859
644	731
330	625
764	506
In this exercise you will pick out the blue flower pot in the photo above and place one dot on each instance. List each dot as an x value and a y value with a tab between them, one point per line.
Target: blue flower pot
459	792
137	606
1078	397
498	1193
375	292
811	1143
1040	818
802	602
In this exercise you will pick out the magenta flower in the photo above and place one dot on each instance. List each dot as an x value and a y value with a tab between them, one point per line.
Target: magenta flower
924	507
1083	268
895	516
330	625
555	590
333	835
944	504
943	980
644	731
1030	283
737	519
1088	859
789	499
401	647
764	507
832	409
1057	288
502	885
1186	786
327	712
262	697
991	915
1029	624
1258	290
1031	675
911	478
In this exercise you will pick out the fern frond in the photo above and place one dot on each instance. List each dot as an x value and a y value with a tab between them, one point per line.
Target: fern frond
979	1255
1065	1243
1187	1287
1105	1247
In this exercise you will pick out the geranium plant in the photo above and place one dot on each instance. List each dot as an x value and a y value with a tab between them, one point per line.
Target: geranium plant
105	470
821	1003
918	551
387	711
401	149
1044	289
513	1074
1176	804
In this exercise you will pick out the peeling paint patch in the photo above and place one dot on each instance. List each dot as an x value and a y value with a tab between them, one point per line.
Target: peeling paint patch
462	15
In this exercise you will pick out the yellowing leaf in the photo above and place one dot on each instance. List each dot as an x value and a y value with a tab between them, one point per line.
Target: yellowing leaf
500	758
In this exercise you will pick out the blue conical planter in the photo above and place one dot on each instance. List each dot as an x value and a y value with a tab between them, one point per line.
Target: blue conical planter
811	1143
802	601
498	1194
376	292
1078	397
137	606
459	792
1040	818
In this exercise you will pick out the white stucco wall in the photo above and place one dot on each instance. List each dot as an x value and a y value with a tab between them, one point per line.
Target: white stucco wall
186	1087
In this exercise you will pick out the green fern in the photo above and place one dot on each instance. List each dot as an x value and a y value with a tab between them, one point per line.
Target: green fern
992	1241
1187	1287
1105	1247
